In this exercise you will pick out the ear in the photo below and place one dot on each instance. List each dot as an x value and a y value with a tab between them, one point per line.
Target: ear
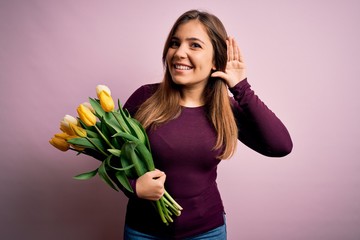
213	67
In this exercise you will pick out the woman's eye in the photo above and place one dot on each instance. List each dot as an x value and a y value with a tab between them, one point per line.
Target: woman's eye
195	45
174	44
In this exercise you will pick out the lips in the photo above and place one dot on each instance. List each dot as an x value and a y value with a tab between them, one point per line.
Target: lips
182	67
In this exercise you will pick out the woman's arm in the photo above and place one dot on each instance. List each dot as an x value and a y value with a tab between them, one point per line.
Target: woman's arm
259	128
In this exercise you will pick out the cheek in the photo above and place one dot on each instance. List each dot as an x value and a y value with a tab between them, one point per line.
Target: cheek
208	59
207	63
168	57
170	53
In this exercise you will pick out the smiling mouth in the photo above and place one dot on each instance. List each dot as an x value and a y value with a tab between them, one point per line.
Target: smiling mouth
182	67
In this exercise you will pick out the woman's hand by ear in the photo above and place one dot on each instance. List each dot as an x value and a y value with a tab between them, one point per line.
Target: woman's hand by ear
150	186
235	68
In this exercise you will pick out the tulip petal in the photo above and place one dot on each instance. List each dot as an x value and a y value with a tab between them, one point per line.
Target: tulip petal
78	130
86	115
88	105
59	143
100	88
106	101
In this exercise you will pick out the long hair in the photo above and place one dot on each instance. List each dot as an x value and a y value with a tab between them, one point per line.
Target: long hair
164	105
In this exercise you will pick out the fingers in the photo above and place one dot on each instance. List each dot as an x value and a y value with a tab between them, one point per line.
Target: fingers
236	50
230	53
219	74
233	50
159	176
156	174
151	185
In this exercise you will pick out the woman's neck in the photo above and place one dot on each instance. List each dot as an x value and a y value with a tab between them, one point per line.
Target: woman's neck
192	97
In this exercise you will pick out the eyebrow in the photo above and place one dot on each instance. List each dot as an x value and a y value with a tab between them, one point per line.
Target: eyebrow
190	39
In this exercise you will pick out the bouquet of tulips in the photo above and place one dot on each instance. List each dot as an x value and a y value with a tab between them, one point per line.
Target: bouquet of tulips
117	140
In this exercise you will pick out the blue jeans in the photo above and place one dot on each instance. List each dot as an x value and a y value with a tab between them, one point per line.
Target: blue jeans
218	233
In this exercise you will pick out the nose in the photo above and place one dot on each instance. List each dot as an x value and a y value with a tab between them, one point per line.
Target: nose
181	51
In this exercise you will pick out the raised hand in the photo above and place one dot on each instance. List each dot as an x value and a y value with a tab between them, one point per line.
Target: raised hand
235	68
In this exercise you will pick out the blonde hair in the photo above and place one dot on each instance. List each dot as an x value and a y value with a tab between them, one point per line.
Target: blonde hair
164	105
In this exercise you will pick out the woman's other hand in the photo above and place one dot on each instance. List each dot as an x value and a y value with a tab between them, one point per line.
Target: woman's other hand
235	68
150	186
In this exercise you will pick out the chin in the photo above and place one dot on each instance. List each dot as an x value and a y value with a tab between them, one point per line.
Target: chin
179	81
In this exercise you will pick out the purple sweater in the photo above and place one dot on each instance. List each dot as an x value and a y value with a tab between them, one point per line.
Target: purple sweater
182	148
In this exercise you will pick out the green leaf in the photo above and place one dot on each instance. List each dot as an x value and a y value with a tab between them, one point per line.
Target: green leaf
146	142
127	114
104	176
117	142
126	162
111	122
126	136
119	105
87	175
121	122
99	112
135	126
92	134
123	169
121	176
146	156
140	166
92	143
115	152
83	142
136	129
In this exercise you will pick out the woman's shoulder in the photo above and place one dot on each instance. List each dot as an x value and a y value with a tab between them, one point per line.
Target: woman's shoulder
140	95
149	88
144	92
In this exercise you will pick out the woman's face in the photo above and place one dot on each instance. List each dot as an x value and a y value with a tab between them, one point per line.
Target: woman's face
190	56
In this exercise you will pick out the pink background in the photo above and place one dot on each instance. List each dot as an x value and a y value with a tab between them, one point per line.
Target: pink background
302	59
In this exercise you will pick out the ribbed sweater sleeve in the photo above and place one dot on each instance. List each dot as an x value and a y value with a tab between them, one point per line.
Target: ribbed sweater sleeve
258	127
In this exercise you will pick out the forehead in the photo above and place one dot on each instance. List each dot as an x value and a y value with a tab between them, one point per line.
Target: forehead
192	29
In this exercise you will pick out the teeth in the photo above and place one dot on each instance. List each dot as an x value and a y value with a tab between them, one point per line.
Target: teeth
182	67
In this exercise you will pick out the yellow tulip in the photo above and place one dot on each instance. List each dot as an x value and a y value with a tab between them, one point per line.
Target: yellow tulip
71	137
78	130
62	135
106	101
86	115
65	136
59	143
64	124
100	88
88	105
80	149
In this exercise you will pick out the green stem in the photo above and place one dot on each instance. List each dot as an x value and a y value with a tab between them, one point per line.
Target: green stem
103	137
165	210
125	128
161	213
173	209
167	195
99	149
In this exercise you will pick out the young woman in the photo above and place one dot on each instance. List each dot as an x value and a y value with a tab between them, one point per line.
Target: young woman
193	124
